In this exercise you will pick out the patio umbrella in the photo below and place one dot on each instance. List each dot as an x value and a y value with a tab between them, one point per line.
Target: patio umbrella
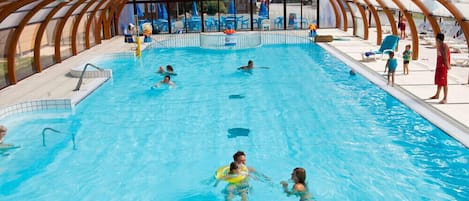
164	12
231	8
263	10
194	9
139	11
160	16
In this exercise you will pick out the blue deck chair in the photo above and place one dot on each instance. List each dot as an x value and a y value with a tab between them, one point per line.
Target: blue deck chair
389	44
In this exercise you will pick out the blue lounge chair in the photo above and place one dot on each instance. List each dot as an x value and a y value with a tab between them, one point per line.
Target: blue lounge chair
389	44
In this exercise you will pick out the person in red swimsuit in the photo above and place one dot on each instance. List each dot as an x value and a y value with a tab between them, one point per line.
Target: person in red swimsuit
442	67
402	28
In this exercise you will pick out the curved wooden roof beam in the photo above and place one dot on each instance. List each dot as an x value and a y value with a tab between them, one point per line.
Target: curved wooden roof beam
14	38
390	16
353	16
59	30
121	8
91	19
113	17
103	21
364	18
428	15
77	24
336	13
40	33
379	30
344	15
413	29
459	18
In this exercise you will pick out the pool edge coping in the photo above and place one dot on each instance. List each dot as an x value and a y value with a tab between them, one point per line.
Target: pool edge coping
443	121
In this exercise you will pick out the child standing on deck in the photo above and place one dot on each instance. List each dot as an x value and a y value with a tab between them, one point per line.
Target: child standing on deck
406	57
392	65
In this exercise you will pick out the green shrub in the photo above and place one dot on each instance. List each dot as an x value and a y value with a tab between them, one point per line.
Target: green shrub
211	7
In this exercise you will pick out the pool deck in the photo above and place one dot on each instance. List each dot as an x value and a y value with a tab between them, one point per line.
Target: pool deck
413	89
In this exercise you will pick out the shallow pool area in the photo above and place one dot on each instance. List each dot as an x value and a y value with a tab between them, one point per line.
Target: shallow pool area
299	107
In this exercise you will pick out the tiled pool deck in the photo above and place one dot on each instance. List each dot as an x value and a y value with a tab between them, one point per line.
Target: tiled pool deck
53	88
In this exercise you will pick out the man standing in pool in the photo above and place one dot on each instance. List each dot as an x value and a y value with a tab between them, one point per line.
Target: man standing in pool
240	158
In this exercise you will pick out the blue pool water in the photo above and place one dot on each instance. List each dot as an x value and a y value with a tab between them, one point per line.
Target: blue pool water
135	142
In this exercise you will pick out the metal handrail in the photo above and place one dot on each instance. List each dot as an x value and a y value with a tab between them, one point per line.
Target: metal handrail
51	129
44	135
83	73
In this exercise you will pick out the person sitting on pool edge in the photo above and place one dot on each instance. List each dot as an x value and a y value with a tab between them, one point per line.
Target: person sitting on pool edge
166	80
248	67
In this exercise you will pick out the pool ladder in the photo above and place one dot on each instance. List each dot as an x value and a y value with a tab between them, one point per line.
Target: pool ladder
51	129
80	81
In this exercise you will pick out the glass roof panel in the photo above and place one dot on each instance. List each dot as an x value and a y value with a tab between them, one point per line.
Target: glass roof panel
463	7
92	7
41	15
410	6
361	2
12	20
78	10
63	11
28	7
390	4
374	3
436	8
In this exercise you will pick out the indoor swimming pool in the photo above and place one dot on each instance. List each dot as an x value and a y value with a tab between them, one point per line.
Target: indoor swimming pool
299	107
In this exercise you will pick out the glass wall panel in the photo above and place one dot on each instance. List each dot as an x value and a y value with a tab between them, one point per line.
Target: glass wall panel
359	26
211	16
47	45
385	24
81	44
93	32
190	16
4	81
66	40
24	52
99	25
243	16
298	16
327	18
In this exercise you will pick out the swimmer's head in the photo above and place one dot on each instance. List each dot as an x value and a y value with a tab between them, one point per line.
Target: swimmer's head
299	174
239	157
169	68
250	63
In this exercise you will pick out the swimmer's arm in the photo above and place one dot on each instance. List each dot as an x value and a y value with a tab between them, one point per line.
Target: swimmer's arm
259	175
216	183
158	84
224	178
285	188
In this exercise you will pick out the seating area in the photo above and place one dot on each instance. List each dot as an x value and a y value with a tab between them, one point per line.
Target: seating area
389	44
